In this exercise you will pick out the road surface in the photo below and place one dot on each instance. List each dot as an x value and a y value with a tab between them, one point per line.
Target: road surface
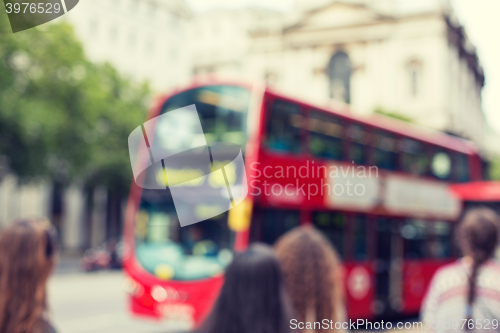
96	303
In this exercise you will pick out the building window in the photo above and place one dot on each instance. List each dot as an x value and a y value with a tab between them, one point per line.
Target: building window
93	27
150	46
151	11
270	77
113	34
414	73
339	74
132	39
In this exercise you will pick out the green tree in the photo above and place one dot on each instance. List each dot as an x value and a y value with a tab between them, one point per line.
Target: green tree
62	117
494	169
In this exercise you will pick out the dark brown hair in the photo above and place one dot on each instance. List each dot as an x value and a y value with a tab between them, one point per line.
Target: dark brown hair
477	238
26	260
312	274
253	298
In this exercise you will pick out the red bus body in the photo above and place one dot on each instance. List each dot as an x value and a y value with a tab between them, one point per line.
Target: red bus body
479	194
405	278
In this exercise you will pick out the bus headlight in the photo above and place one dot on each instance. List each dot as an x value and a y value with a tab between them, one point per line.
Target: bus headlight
132	287
159	293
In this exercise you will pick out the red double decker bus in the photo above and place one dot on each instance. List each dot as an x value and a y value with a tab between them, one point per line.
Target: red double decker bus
377	188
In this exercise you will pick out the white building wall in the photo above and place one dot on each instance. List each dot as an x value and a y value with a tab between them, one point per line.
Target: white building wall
23	201
143	39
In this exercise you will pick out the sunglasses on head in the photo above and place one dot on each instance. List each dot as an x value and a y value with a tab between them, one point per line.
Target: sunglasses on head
51	239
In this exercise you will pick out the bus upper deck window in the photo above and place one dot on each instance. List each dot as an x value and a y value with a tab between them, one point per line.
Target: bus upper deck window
325	135
460	168
385	150
222	110
412	158
357	136
284	126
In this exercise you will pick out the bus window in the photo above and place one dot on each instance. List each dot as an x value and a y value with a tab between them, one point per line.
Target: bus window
357	136
413	233
441	164
412	158
333	226
360	238
385	150
325	136
221	109
439	244
460	168
283	129
166	249
276	222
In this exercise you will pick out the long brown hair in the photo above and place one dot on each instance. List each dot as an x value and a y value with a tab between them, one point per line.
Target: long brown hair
478	238
312	274
26	260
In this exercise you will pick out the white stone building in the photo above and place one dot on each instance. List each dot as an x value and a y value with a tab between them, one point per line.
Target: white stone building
400	56
143	39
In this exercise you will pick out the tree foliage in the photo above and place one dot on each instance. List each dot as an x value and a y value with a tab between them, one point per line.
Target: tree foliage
494	169
61	116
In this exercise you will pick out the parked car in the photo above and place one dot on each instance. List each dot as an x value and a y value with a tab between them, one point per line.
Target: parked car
105	256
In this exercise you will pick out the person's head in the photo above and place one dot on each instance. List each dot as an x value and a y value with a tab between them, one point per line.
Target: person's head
27	255
311	271
478	234
478	239
253	298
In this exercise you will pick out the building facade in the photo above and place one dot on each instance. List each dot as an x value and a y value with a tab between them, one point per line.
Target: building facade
143	39
396	56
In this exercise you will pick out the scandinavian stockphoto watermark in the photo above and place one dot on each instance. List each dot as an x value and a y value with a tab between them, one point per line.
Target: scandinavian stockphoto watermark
170	151
310	179
26	14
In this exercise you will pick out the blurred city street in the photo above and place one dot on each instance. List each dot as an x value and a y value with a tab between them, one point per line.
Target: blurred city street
337	155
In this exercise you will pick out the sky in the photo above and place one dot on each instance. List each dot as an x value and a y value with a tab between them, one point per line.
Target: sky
479	17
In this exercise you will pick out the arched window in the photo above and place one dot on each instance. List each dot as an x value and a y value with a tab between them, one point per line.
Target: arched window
339	74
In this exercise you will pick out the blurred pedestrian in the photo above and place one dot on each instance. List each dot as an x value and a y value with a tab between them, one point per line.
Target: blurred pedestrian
28	251
465	295
253	298
313	277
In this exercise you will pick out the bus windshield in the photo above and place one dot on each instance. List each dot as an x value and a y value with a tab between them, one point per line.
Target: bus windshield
172	252
222	110
203	249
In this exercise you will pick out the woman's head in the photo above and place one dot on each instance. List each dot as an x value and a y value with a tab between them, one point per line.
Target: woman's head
478	234
311	271
27	251
253	298
478	238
